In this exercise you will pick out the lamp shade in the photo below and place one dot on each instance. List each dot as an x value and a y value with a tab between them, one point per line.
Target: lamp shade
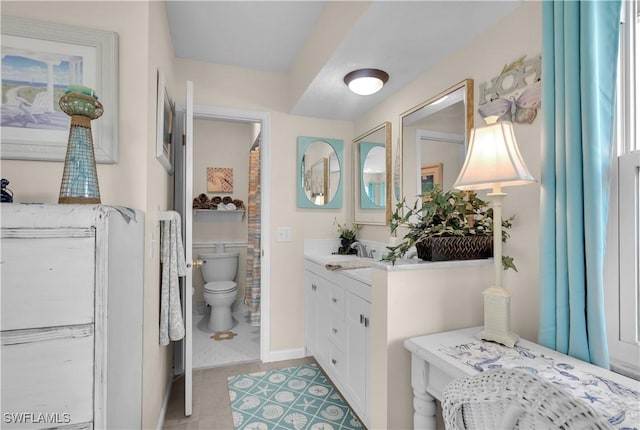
366	81
493	159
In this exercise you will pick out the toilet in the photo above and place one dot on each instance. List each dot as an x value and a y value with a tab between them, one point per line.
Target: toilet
220	291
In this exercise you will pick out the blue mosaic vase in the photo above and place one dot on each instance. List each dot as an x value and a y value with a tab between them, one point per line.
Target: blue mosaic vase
79	178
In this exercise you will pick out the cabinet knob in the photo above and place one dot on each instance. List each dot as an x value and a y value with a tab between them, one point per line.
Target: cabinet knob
314	287
335	330
366	322
361	319
334	300
334	361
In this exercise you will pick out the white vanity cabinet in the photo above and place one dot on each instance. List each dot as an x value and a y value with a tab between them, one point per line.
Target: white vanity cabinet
71	316
337	331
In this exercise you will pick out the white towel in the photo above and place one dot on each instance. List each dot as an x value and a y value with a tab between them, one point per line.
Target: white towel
173	266
350	264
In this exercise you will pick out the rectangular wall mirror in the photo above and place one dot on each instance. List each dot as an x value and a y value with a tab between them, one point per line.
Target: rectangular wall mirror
434	137
372	176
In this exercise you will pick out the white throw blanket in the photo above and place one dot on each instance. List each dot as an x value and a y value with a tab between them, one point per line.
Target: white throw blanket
173	266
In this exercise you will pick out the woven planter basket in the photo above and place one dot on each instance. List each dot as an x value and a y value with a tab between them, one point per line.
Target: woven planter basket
455	248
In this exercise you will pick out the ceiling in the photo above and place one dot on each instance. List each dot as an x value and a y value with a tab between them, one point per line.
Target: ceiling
316	42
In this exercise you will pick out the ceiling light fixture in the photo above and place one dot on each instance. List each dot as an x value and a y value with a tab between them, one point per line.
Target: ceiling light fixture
366	81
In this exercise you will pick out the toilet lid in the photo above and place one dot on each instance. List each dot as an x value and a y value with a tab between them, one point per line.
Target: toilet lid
220	286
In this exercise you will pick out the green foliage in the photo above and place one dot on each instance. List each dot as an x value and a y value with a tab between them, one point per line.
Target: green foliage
346	232
454	213
348	235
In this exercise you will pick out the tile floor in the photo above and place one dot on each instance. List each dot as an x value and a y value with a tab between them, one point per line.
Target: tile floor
243	347
211	404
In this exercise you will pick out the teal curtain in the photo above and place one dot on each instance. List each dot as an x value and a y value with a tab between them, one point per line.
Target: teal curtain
579	58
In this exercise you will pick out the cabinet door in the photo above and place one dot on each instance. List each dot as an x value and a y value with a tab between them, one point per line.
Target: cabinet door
310	312
358	314
317	322
324	320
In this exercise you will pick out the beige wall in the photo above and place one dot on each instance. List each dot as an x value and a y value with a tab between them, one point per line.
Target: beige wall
137	180
158	360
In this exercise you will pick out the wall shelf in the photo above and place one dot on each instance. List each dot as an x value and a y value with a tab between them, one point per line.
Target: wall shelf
211	215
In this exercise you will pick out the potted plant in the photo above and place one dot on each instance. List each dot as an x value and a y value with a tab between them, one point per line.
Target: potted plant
348	235
456	225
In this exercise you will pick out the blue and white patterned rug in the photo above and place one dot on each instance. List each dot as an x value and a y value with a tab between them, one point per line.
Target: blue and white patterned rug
292	398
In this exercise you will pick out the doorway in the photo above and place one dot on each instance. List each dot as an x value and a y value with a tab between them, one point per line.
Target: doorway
248	340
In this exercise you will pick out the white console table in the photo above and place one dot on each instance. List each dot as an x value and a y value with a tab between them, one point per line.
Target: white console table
438	358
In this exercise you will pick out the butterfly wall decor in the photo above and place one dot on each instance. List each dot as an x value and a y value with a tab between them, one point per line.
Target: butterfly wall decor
515	95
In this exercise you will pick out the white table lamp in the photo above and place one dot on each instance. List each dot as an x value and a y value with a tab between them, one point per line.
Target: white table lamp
493	161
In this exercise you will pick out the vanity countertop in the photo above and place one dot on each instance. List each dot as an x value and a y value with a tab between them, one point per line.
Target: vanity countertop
320	251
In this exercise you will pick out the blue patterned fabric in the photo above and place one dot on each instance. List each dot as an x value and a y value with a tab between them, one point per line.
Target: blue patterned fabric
579	52
292	398
619	404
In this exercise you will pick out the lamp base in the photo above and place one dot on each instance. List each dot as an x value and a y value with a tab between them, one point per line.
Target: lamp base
508	339
497	317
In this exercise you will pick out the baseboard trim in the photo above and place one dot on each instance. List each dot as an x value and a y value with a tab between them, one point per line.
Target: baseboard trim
165	404
286	354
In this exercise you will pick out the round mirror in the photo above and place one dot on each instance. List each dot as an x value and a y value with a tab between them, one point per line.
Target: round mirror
374	175
320	173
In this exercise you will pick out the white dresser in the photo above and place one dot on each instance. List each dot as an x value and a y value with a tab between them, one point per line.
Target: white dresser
71	316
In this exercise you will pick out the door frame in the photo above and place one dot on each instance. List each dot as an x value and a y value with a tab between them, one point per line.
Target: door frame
243	115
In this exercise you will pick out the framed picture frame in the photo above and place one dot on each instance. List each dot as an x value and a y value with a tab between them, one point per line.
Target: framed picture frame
430	177
40	59
220	179
165	111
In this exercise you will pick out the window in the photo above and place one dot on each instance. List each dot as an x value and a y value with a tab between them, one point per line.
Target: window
623	261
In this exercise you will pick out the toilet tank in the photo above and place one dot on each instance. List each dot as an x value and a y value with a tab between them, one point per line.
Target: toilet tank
219	266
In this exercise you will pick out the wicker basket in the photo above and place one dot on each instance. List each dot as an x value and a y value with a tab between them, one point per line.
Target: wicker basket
455	248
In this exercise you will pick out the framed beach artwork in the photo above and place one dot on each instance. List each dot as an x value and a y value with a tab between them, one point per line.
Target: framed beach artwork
39	60
430	177
165	111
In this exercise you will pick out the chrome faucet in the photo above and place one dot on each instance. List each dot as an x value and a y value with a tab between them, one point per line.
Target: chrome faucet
361	250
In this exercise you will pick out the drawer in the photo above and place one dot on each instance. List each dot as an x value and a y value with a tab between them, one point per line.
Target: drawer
336	299
337	333
48	371
337	361
47	282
